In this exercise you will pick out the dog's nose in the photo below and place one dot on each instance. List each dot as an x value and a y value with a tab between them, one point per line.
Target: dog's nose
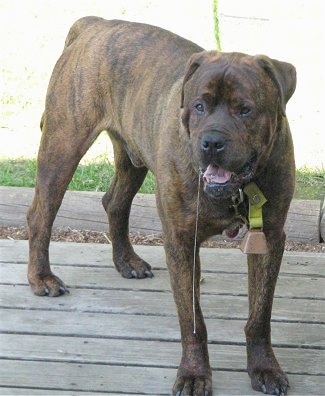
212	142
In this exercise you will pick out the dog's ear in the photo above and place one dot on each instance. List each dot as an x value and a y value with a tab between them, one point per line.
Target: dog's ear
284	76
194	62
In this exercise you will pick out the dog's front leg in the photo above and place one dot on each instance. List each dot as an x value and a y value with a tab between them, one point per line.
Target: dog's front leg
194	373
263	367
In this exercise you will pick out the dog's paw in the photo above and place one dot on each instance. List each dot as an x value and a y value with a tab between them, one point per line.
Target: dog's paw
271	381
134	267
190	385
49	285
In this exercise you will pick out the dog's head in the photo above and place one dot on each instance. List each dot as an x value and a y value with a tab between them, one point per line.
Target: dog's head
232	105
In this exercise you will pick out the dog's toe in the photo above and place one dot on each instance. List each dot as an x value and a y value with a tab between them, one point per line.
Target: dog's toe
139	274
134	267
49	285
148	274
200	386
271	382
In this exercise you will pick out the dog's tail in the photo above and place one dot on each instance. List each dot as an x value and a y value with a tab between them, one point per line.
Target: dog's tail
79	26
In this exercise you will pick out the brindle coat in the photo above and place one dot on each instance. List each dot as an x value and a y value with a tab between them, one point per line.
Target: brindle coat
175	109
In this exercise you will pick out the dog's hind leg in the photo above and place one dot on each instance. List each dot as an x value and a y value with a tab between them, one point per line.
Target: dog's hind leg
60	151
117	203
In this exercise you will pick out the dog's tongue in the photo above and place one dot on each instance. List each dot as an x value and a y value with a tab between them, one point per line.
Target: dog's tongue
216	174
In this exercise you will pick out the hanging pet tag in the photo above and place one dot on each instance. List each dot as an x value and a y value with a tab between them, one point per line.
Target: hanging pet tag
254	242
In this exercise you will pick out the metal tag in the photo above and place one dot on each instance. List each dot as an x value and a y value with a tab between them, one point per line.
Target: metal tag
254	242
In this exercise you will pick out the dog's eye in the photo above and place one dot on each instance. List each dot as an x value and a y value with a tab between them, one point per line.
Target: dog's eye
199	108
244	111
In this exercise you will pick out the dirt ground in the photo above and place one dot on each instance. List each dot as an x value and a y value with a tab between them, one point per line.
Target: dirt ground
84	236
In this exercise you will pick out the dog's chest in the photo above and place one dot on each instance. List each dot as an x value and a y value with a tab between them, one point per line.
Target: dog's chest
217	216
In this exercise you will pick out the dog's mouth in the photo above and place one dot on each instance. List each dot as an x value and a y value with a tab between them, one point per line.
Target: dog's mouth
220	182
214	174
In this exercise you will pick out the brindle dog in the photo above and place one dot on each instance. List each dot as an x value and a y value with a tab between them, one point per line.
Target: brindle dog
182	112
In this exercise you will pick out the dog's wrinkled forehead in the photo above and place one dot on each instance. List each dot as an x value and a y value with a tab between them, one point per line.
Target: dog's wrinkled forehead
226	73
225	78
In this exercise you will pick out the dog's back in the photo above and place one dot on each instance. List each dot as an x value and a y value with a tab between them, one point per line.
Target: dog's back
80	26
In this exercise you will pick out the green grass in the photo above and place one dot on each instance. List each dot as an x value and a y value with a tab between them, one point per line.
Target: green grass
310	183
96	176
17	173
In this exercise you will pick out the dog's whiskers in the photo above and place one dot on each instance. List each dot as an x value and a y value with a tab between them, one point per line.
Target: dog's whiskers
194	252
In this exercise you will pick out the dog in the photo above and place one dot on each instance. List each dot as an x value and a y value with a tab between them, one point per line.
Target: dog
206	123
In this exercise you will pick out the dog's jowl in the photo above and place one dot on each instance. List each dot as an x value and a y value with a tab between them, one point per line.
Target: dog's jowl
184	113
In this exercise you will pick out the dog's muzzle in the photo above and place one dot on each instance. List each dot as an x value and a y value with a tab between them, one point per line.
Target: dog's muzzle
222	183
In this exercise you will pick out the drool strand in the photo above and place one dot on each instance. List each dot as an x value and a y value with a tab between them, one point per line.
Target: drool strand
194	252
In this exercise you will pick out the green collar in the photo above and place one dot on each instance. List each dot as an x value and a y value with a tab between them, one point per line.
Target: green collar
256	200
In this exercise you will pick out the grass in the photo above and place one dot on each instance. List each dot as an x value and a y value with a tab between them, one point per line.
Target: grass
96	176
310	183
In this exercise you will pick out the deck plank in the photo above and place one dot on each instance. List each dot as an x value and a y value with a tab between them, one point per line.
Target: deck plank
136	380
220	283
142	302
144	353
165	328
216	260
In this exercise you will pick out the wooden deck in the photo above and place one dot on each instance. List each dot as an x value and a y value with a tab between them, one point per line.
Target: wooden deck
116	336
